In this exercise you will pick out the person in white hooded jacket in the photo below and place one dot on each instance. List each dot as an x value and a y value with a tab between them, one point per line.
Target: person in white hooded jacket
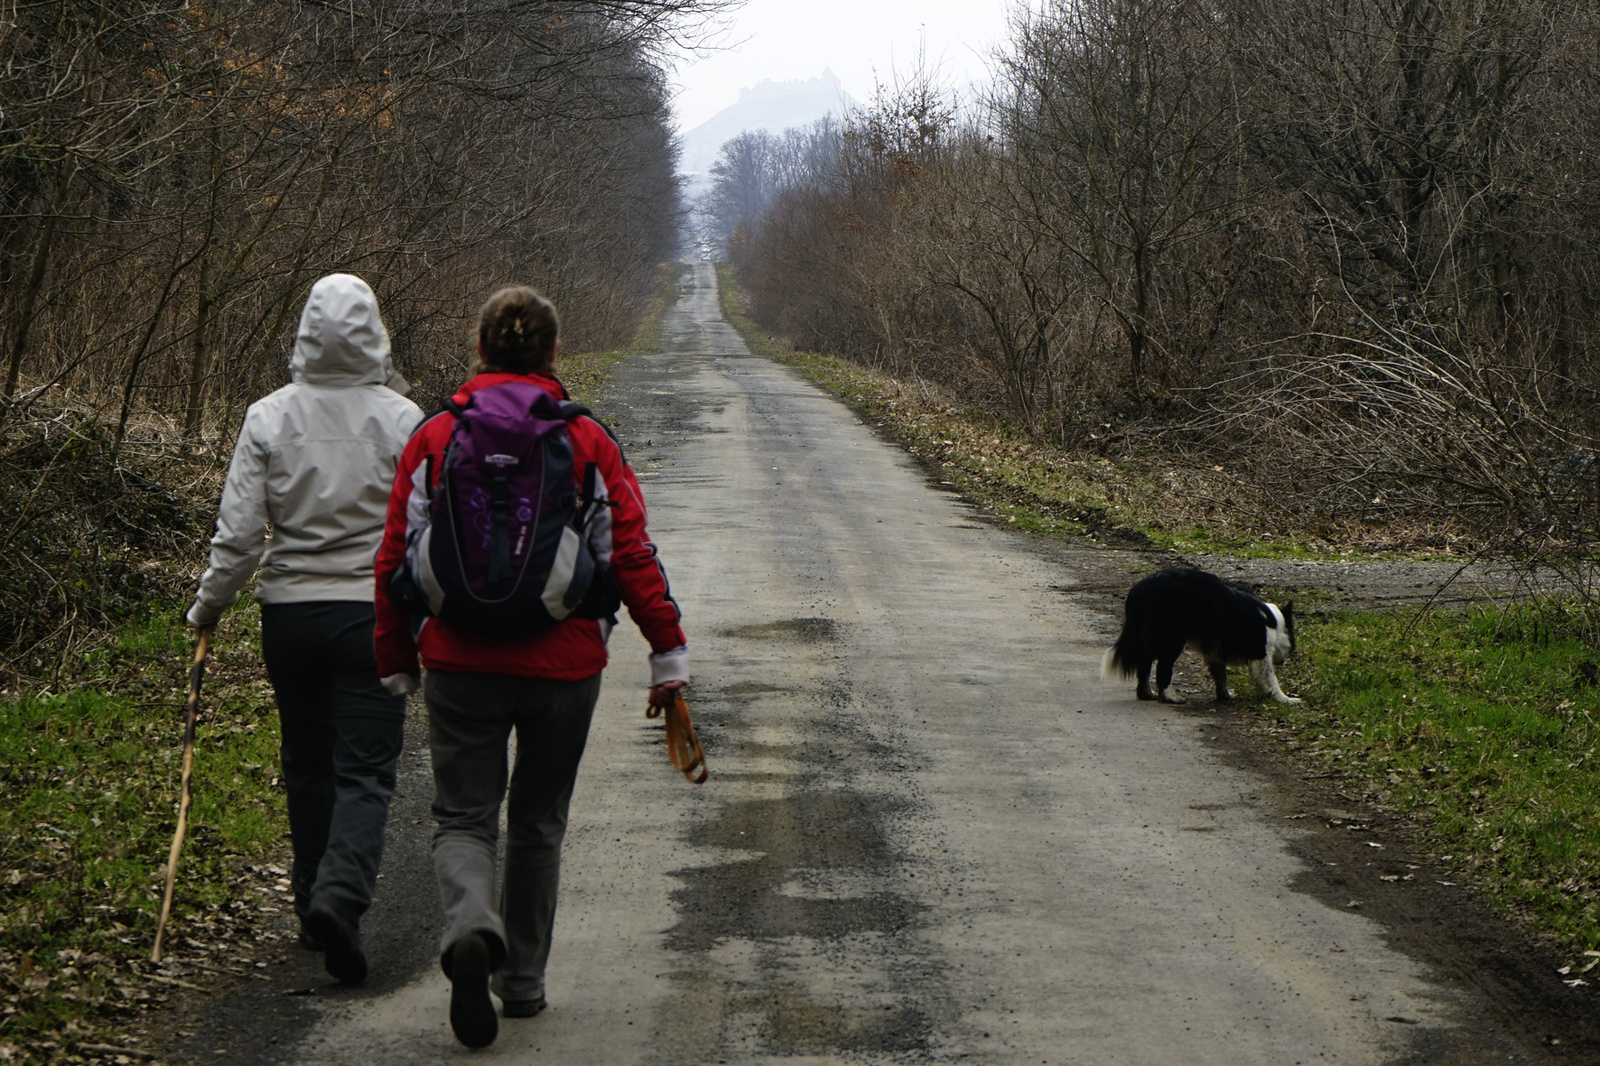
315	460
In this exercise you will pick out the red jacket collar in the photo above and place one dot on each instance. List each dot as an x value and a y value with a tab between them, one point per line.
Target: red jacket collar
547	382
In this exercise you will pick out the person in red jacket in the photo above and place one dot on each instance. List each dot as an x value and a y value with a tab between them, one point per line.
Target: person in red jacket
544	686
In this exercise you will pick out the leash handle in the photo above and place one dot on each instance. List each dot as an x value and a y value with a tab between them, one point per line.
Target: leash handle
191	713
683	743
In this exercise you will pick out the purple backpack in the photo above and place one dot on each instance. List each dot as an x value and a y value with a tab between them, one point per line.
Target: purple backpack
505	550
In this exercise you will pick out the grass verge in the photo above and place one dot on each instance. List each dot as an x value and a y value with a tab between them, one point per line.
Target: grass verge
1479	726
88	805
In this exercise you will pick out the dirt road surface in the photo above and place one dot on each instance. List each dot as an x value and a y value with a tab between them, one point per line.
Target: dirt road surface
932	833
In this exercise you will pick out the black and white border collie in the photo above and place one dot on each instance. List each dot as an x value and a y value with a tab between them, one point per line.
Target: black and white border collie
1176	609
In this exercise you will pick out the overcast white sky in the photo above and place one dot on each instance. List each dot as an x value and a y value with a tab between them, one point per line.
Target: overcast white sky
784	40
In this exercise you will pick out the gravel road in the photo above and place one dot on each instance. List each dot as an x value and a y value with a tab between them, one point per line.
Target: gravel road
931	833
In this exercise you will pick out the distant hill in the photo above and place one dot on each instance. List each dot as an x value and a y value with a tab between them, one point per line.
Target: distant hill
771	105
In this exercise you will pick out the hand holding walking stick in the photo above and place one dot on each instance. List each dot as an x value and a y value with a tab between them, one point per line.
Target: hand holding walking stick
191	712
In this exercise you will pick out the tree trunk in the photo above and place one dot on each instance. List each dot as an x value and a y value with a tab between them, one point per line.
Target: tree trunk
198	356
203	300
30	293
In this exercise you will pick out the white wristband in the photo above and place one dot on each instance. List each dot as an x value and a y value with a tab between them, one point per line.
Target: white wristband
670	666
399	684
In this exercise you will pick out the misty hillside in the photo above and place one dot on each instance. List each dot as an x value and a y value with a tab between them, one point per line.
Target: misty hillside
771	105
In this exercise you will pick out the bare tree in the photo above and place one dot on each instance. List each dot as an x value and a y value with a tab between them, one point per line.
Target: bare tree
1115	120
173	176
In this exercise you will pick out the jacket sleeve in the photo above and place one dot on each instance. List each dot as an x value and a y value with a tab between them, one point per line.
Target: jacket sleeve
393	643
620	540
241	528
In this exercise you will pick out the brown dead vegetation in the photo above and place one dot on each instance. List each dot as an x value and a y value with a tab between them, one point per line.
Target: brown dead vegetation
174	175
1347	252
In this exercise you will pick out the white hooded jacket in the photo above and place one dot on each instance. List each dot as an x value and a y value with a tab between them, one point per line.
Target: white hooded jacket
316	459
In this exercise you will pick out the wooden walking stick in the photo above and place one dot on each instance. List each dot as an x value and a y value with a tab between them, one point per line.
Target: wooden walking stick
683	744
191	712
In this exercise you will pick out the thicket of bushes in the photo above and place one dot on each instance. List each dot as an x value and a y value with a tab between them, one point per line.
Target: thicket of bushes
174	174
1352	250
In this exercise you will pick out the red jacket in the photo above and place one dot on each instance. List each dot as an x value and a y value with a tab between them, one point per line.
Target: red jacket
574	648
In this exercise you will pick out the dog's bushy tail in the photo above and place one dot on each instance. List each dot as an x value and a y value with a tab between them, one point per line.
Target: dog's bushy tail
1119	658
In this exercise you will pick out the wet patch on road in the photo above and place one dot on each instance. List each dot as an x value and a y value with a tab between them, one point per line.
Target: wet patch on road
860	1029
830	832
802	933
800	630
747	691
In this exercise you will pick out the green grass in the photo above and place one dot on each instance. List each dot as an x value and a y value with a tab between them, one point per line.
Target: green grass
1481	725
89	781
585	372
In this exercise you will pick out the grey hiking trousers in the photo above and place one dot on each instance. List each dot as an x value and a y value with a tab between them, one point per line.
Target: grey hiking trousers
342	735
471	717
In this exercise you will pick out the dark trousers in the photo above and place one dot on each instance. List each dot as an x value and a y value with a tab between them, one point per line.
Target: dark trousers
342	734
470	717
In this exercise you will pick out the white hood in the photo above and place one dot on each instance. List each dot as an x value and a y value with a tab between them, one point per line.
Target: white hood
314	463
341	340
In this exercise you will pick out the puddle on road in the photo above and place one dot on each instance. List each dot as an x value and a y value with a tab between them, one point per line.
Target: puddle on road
800	630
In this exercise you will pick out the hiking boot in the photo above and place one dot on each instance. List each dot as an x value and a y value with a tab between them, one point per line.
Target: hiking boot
307	939
472	1014
342	943
521	1008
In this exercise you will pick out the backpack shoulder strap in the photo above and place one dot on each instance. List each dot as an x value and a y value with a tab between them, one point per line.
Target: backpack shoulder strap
571	410
449	407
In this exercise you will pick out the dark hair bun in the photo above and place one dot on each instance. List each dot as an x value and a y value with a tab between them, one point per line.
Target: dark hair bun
517	330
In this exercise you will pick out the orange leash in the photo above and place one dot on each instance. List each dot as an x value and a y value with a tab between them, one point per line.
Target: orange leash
683	745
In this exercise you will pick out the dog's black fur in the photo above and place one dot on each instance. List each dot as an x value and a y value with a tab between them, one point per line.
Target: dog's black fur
1176	609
